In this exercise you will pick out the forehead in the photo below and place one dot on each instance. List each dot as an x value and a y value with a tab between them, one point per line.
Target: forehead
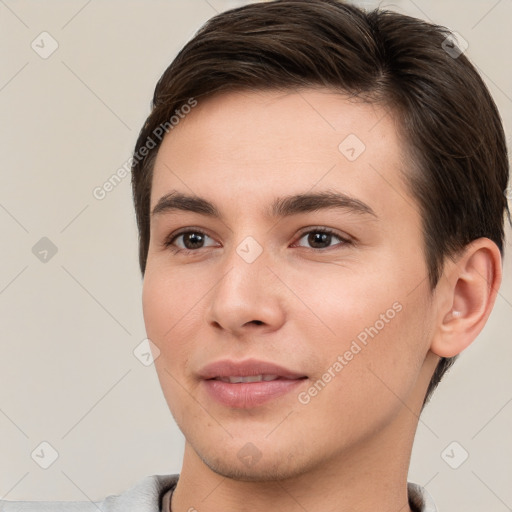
255	144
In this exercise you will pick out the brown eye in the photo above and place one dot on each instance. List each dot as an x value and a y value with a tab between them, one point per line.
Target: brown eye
322	238
190	240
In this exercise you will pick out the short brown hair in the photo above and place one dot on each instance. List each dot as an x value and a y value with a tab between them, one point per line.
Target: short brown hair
459	166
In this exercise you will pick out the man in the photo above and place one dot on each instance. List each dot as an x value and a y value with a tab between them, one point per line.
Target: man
320	196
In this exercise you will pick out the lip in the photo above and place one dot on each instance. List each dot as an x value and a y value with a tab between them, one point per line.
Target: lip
246	368
245	395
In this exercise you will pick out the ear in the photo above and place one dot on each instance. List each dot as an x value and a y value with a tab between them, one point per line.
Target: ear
466	294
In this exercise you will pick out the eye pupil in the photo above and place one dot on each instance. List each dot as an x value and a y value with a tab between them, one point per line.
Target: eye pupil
194	238
317	237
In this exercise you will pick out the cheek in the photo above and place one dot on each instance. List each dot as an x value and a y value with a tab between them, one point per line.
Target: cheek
344	304
376	357
169	302
168	309
169	306
373	332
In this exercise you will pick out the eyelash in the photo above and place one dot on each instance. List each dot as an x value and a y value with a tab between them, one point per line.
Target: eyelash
168	243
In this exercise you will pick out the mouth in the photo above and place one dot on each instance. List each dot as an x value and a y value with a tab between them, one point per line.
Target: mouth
248	384
251	378
248	368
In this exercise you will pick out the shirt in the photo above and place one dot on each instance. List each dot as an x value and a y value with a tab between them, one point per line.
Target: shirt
153	494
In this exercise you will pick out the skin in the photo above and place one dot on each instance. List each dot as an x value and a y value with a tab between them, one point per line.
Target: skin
298	305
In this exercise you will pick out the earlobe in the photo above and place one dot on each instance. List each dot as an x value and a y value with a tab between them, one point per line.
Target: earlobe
466	295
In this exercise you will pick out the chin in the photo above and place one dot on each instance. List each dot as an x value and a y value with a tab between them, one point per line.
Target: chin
246	469
264	473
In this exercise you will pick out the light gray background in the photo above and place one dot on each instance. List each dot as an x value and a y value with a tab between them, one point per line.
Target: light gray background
70	325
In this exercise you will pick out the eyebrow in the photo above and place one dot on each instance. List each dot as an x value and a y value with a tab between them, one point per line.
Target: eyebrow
281	207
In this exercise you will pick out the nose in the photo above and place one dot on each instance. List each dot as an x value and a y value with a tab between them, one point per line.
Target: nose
248	296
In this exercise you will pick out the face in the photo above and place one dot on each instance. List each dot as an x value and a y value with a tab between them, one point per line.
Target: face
321	299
